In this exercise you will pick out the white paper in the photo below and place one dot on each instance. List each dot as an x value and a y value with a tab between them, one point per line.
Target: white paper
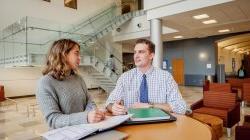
79	131
110	122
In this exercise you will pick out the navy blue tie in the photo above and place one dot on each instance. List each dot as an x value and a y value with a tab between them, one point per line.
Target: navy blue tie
144	90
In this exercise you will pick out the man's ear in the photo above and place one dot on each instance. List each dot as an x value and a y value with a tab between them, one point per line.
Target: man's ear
152	55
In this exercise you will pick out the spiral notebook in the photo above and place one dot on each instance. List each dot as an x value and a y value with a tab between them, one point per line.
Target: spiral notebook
76	132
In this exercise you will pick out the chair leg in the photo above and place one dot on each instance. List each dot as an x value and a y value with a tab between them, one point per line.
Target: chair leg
242	104
229	132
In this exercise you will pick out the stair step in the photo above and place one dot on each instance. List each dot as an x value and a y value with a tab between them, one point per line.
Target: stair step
113	84
98	75
105	81
99	78
110	87
108	84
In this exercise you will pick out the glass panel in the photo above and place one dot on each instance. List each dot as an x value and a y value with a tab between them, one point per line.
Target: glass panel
27	40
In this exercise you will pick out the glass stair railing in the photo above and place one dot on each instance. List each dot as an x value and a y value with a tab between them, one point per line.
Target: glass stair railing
26	42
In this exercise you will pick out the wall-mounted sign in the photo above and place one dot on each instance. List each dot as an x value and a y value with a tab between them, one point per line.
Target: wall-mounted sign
209	66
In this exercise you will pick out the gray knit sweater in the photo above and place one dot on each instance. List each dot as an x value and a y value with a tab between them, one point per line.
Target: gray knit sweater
63	103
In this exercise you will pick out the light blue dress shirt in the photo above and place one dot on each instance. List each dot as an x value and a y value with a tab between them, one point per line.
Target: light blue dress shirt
161	89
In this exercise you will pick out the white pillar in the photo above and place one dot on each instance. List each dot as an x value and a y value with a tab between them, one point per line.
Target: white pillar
155	33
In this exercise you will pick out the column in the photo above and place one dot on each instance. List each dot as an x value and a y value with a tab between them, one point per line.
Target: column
155	34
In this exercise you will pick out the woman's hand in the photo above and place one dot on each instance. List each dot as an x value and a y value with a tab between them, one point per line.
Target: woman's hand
95	116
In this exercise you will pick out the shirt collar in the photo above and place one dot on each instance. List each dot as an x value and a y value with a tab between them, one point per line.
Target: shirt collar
149	71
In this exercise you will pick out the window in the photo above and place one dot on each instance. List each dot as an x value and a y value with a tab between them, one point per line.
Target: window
70	3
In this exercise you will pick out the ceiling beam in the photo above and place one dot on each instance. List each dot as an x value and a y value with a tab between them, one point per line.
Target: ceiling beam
241	50
247	41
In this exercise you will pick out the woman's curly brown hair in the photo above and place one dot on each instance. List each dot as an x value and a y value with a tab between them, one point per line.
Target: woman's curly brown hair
56	63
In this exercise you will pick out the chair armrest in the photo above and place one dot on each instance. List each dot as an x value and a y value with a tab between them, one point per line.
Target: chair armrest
233	90
247	118
233	115
242	133
197	104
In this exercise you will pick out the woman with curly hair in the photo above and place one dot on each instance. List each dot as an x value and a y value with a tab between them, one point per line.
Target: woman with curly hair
61	93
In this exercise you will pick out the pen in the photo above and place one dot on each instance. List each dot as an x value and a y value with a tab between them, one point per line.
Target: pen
121	102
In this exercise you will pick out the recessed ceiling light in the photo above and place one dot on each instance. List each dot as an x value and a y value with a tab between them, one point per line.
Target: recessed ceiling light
202	16
224	30
179	36
209	21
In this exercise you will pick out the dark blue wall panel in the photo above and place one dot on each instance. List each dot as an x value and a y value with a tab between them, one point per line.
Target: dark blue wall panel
194	80
196	53
191	51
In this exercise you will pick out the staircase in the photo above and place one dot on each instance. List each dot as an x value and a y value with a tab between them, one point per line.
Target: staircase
101	74
86	33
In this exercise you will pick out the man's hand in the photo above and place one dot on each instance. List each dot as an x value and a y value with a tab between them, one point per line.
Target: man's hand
118	108
141	105
95	116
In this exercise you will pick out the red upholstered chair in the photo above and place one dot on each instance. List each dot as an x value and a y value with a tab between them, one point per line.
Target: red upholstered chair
224	87
206	85
246	92
220	104
235	82
243	132
2	98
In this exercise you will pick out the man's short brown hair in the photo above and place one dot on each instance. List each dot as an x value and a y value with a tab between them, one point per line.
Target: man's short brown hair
151	45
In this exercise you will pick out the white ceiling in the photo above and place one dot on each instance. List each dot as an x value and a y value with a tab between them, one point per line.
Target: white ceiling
234	16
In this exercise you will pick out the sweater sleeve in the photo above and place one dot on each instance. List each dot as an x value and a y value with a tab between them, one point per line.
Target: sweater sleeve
49	105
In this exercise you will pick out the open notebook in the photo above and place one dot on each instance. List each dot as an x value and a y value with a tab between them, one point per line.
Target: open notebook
76	132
